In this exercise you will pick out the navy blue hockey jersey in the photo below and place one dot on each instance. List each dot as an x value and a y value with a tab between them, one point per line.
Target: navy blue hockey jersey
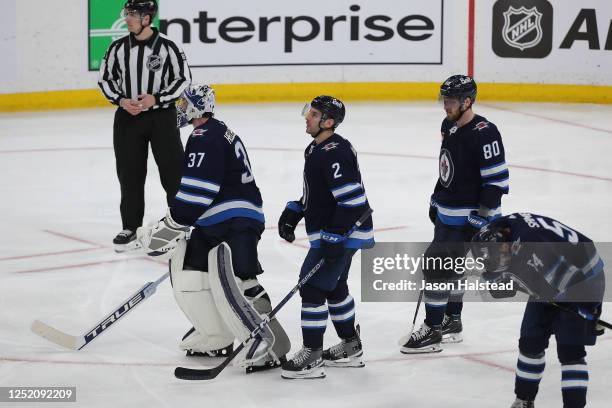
334	196
552	259
217	182
473	173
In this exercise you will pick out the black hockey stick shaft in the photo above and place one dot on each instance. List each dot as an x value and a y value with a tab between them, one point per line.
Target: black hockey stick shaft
184	373
416	310
588	317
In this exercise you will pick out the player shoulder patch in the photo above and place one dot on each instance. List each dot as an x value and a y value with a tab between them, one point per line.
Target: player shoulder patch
481	125
198	132
229	135
330	146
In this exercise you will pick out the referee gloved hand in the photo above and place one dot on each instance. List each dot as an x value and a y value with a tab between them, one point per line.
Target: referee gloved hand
131	106
146	101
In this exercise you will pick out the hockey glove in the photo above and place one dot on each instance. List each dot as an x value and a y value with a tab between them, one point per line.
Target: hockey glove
476	222
332	245
499	278
292	214
162	238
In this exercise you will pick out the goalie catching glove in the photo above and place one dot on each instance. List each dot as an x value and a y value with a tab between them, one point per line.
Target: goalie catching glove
162	239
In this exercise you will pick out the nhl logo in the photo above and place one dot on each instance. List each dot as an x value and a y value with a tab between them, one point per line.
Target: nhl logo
522	27
447	168
154	62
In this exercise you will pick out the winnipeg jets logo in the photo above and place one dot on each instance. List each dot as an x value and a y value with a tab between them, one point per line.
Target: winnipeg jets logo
481	125
522	27
447	169
330	146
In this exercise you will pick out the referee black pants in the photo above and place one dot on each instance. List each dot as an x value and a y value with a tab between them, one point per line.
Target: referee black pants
131	138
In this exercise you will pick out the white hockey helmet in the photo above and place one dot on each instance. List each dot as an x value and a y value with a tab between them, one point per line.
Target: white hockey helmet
194	102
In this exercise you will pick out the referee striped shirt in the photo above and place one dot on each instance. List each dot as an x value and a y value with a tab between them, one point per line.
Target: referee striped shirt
156	66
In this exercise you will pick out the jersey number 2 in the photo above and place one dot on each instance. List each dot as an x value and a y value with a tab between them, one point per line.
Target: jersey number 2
336	167
247	176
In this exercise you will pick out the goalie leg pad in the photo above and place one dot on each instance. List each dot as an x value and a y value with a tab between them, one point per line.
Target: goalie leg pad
240	311
192	293
255	293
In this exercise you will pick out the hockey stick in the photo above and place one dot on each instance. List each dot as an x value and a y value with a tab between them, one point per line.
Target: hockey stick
406	337
585	315
78	342
184	373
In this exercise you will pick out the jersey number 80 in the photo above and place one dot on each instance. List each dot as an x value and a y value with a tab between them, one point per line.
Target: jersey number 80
490	150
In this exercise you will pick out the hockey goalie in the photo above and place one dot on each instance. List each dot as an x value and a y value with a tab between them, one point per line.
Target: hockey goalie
214	273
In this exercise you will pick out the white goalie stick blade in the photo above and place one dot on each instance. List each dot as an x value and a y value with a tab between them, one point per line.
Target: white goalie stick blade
58	337
78	342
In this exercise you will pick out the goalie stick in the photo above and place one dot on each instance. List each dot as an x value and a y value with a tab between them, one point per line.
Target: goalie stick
184	373
78	342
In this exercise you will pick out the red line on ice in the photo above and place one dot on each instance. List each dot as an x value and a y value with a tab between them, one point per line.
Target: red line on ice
382	154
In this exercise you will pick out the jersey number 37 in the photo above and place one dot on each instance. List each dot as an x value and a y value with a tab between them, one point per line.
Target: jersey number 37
241	154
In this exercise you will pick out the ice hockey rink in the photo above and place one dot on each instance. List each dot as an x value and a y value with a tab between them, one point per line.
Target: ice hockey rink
60	210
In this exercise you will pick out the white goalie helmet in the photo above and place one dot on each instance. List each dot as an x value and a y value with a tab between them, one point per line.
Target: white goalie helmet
194	102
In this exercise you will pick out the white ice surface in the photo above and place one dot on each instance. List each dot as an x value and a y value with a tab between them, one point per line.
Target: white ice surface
59	207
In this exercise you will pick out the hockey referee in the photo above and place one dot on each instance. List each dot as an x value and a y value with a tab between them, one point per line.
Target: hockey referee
143	73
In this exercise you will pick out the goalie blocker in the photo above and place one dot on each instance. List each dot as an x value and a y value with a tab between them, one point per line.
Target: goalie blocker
222	308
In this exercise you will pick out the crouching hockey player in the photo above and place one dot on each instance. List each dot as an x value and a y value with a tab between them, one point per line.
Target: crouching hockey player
561	270
219	293
333	199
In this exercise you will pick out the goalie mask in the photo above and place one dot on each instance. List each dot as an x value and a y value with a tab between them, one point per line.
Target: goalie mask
195	101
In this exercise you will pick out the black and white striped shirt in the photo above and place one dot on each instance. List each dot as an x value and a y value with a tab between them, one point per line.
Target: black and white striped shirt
156	66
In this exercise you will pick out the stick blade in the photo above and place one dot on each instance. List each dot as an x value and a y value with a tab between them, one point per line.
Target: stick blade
192	374
55	336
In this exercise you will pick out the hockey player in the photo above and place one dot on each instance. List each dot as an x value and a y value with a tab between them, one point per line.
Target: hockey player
553	263
333	199
218	196
473	176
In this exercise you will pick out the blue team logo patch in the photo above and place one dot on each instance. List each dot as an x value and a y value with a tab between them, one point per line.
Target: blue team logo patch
447	168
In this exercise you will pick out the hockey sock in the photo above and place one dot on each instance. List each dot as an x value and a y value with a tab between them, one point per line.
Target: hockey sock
435	305
529	372
455	302
342	314
574	374
574	383
314	321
